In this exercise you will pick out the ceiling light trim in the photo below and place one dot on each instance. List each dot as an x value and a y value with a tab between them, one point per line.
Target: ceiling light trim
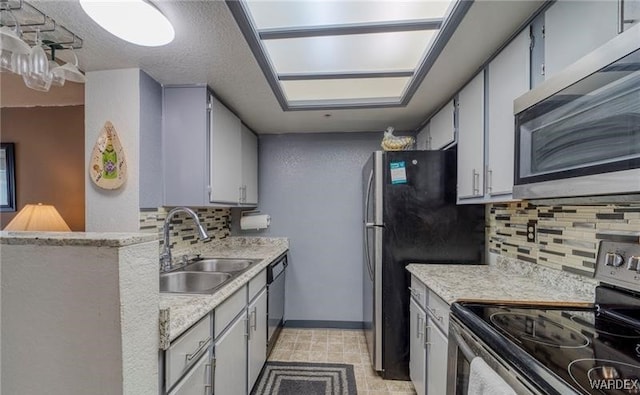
446	28
449	27
250	34
350	28
340	76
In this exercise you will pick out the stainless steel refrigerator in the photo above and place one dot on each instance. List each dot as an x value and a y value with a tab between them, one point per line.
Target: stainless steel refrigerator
410	216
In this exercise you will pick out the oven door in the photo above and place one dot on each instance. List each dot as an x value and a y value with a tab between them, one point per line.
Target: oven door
464	346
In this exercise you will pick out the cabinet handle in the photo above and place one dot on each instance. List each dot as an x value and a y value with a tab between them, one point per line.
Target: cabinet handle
434	312
419	332
244	194
475	181
239	194
254	315
201	345
208	379
489	180
415	293
427	343
429	142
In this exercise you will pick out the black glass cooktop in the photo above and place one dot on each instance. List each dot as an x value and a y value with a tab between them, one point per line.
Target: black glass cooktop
591	351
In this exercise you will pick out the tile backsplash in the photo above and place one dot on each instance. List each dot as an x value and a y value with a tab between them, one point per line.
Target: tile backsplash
216	221
566	237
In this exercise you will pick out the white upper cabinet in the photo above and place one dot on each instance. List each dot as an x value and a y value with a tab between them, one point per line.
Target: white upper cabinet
184	144
249	167
442	128
508	78
210	158
226	155
471	139
575	28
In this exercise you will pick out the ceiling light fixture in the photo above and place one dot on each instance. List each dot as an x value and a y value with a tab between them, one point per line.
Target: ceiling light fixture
136	21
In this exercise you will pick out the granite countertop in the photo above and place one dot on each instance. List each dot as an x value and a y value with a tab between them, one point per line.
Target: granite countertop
91	239
497	283
178	312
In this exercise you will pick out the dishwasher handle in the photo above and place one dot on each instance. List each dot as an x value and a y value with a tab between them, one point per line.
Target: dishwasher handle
275	269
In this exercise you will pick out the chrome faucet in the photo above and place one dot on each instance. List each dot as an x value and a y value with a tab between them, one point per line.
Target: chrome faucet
165	256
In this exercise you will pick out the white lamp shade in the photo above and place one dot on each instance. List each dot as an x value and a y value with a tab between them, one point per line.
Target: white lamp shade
38	217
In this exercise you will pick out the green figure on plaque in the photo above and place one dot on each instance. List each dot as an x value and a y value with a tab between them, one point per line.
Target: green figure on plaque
109	161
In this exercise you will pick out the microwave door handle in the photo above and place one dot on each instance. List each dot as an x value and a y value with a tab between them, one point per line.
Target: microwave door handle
463	346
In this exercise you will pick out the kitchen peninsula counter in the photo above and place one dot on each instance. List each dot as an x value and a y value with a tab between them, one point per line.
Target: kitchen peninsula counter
505	282
178	312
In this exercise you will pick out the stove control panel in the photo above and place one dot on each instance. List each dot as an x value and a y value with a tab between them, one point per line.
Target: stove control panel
619	264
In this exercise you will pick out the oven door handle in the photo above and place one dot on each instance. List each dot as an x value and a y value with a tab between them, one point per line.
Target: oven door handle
463	346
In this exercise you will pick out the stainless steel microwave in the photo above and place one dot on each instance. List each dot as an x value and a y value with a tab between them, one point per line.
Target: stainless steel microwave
578	133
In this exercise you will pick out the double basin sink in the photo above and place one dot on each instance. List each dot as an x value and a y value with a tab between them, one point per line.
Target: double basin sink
204	276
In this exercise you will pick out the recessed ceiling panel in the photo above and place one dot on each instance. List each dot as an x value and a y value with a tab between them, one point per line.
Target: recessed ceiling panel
268	14
396	51
344	89
346	53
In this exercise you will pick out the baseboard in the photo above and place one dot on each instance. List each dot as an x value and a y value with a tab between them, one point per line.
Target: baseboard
323	324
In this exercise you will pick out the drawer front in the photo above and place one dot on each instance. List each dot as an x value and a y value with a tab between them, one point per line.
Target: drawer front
257	283
197	381
439	310
186	350
228	310
418	291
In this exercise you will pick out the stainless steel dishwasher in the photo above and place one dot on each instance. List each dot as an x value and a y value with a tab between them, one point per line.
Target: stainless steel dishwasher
275	299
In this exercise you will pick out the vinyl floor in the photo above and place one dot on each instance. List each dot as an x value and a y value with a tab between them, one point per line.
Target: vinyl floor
337	346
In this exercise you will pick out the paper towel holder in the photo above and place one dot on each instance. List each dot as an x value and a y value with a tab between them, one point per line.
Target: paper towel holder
263	223
248	212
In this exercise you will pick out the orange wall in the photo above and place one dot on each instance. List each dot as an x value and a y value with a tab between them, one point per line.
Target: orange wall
49	151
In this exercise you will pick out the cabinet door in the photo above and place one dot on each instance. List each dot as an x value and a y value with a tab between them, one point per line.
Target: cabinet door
436	359
225	150
575	28
197	381
249	167
508	79
230	351
417	356
471	139
184	145
257	336
442	128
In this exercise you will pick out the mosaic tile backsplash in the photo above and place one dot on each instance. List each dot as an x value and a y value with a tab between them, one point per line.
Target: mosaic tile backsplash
216	221
566	237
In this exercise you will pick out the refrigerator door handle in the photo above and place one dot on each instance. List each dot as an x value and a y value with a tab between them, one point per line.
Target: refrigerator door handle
366	252
367	226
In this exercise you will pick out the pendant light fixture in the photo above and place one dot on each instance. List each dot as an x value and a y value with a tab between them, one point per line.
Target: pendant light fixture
136	21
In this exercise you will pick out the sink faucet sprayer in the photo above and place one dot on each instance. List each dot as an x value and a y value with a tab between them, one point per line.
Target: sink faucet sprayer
165	256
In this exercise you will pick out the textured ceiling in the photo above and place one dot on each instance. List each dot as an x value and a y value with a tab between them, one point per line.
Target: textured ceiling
209	48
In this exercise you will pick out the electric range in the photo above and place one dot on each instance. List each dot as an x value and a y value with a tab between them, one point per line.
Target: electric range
561	349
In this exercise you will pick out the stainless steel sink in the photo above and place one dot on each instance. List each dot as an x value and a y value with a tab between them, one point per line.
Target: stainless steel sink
192	282
226	265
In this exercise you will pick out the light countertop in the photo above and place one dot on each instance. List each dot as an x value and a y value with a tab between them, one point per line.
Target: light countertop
497	283
178	312
92	239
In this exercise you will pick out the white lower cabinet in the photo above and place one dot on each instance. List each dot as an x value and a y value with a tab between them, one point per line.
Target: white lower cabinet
428	329
257	337
418	352
197	381
230	359
232	362
436	359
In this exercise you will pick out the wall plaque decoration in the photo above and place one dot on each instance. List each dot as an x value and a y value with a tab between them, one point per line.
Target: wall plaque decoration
108	165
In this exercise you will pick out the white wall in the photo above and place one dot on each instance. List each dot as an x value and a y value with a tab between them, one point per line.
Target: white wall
113	95
83	320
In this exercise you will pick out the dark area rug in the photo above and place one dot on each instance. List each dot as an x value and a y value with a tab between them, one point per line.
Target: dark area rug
301	378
